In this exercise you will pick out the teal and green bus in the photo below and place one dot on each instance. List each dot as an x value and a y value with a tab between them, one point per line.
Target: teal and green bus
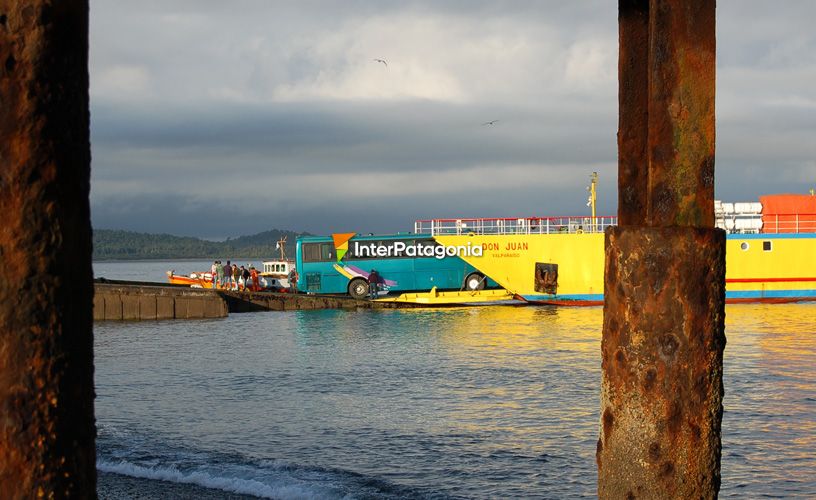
400	269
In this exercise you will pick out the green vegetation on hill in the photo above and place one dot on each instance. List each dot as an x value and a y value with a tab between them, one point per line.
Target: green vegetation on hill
123	245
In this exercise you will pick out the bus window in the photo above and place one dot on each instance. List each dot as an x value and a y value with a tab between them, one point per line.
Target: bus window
430	242
311	252
318	252
365	251
327	252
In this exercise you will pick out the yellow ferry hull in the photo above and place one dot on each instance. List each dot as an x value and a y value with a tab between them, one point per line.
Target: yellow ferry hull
464	297
759	267
770	267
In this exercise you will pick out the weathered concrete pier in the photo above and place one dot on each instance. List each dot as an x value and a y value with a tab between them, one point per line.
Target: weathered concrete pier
133	301
240	302
123	301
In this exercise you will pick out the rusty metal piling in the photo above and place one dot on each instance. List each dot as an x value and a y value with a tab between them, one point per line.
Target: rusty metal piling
47	428
663	330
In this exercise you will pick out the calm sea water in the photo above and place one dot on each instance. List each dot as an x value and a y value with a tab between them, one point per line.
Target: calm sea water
494	402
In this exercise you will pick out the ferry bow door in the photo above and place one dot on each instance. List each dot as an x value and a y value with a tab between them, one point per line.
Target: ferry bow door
546	278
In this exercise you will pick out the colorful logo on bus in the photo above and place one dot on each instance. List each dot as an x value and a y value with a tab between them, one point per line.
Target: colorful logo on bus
341	242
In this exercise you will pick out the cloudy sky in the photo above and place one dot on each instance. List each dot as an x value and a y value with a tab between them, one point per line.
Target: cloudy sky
219	119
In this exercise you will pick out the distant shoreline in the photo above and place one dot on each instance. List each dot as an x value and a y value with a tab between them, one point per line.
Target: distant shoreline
182	259
111	245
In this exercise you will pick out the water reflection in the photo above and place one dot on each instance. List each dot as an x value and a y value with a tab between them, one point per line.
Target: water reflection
769	428
490	402
508	327
487	395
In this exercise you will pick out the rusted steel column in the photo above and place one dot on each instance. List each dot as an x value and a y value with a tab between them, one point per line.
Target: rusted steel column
633	116
663	332
681	113
662	363
47	427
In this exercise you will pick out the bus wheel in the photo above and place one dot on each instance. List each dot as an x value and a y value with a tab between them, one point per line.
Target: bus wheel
358	288
475	281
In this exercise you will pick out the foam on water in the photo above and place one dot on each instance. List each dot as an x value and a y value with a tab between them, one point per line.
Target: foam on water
132	453
283	490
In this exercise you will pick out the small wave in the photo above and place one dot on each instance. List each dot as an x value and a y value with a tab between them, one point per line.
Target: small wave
215	481
130	452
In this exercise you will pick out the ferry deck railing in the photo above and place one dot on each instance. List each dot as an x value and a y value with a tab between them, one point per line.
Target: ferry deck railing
788	223
734	223
525	225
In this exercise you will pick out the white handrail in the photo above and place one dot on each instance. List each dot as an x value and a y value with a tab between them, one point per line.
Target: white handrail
527	225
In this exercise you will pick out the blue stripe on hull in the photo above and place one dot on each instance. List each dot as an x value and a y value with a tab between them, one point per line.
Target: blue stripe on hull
770	236
579	297
742	294
771	294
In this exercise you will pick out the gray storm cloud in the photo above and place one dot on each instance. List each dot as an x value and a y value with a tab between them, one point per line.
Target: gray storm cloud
217	120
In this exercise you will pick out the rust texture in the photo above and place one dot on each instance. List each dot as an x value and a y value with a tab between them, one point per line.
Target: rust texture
47	427
680	146
666	124
663	332
633	39
662	363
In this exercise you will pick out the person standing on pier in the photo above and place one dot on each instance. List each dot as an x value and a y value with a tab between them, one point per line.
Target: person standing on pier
373	283
236	275
244	277
228	276
293	279
253	275
219	271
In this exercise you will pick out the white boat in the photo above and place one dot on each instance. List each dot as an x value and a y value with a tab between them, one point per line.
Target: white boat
276	272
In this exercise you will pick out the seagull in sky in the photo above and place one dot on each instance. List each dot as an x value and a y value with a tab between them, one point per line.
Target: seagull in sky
381	61
491	122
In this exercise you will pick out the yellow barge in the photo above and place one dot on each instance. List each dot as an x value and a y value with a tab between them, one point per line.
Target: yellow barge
770	252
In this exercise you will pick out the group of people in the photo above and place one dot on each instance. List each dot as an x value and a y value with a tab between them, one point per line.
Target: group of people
234	277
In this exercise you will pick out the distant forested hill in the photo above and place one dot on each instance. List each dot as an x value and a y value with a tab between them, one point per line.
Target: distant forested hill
122	245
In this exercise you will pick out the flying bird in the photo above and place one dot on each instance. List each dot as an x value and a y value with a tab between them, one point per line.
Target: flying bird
491	122
381	61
